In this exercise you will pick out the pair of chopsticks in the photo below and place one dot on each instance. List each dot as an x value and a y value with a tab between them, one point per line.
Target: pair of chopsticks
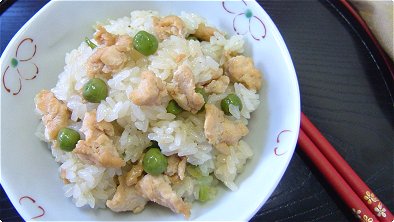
348	185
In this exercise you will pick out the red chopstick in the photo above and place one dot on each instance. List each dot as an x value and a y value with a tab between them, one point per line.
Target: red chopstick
340	175
334	178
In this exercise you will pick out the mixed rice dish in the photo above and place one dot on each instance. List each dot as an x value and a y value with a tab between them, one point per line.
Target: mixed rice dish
152	108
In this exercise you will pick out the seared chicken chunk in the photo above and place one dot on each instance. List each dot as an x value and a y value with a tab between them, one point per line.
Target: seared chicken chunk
150	91
126	198
112	57
158	189
182	89
182	168
204	33
97	148
220	131
241	69
124	43
172	167
55	114
103	37
218	86
106	61
63	176
176	166
135	172
169	25
179	58
215	74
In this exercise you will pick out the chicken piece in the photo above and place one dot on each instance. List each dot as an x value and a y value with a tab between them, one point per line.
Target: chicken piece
126	198
182	90
172	167
106	61
93	129
103	37
174	179
179	58
241	69
112	57
215	74
55	114
176	166
182	168
204	33
94	65
220	131
118	129
97	148
218	86
100	152
167	26
150	91
158	189
135	172
124	43
63	176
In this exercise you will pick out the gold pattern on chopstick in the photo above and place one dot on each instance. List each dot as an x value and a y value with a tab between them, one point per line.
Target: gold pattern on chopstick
370	197
380	210
367	219
357	213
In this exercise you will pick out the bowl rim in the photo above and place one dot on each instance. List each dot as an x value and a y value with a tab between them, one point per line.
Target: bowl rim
292	73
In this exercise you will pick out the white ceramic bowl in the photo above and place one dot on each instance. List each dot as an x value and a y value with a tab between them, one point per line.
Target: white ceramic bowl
35	57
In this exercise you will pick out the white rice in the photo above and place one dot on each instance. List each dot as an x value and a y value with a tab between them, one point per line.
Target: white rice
88	184
184	135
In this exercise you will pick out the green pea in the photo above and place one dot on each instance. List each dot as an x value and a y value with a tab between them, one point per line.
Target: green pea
68	139
174	108
230	99
95	90
206	193
154	162
203	93
90	43
145	43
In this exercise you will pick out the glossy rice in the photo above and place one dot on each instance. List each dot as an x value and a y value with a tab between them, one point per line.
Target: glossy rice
182	135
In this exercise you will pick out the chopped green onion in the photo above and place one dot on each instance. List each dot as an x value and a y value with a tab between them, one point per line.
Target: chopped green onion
194	171
90	43
173	108
206	193
205	180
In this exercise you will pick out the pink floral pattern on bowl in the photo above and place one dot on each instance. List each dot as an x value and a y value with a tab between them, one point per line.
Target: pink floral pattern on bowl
21	67
29	202
244	20
278	150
